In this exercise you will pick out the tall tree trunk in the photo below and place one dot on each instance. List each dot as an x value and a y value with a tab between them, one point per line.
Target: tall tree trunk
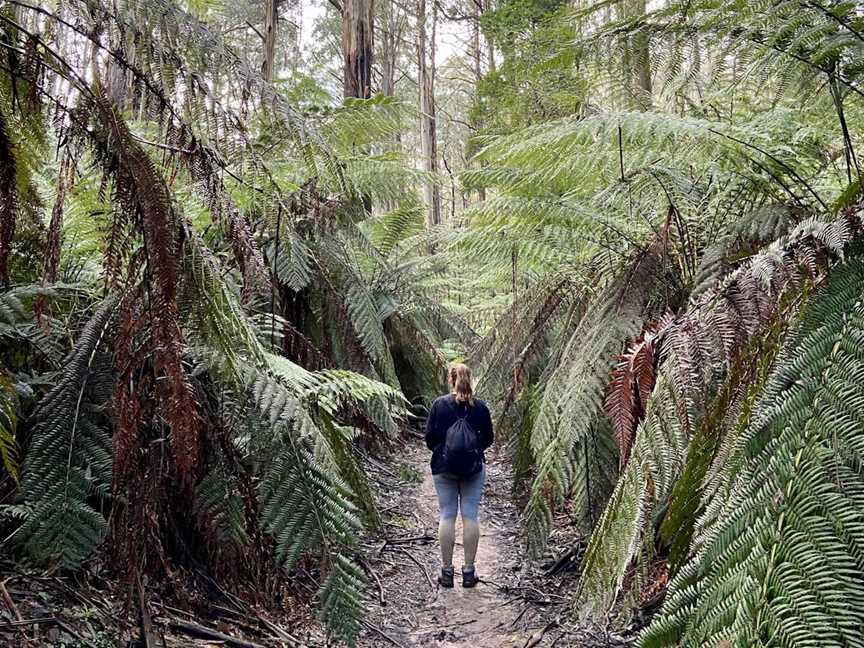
357	41
477	55
490	49
391	33
428	135
271	20
637	61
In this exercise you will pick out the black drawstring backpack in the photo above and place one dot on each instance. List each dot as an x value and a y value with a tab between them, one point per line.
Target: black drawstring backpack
462	454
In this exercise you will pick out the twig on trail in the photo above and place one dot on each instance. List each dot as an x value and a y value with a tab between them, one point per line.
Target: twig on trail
562	561
368	569
544	597
39	620
9	602
506	603
195	630
461	623
375	628
420	565
537	637
520	615
425	539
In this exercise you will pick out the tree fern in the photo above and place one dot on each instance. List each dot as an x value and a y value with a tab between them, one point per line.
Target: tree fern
657	455
695	351
777	565
569	438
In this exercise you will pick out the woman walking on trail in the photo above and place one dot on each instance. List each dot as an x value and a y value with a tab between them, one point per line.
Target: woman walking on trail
458	431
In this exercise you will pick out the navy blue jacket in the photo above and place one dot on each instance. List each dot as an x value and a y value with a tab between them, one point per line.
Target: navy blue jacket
445	410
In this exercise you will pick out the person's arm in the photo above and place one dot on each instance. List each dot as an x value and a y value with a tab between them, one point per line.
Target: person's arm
487	436
433	439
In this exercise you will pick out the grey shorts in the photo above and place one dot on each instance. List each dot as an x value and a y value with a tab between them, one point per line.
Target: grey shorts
455	493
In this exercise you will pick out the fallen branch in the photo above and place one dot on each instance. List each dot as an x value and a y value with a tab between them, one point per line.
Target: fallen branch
419	564
425	539
537	637
368	569
375	628
195	630
148	634
9	602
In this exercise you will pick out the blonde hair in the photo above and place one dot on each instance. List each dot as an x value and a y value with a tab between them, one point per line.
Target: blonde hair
459	378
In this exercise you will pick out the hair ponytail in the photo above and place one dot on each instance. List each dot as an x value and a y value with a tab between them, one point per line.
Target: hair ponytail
460	382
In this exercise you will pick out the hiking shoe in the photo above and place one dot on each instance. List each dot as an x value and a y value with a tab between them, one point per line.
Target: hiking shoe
469	577
446	577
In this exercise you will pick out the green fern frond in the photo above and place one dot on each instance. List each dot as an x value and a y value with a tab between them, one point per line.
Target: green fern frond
341	446
305	509
656	458
389	229
8	426
216	326
784	534
341	601
575	451
69	459
219	502
294	265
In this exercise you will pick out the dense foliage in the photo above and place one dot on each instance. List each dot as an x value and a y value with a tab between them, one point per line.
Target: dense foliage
215	323
690	401
217	292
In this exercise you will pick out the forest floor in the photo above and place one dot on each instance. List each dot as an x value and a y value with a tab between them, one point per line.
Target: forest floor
518	604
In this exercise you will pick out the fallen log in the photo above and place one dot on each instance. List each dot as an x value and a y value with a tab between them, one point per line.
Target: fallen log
202	632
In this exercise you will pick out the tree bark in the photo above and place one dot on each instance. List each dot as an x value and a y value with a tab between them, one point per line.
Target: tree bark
490	49
638	59
428	135
391	33
357	42
271	23
477	54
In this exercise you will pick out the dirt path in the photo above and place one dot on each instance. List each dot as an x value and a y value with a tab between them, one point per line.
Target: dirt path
481	616
498	613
